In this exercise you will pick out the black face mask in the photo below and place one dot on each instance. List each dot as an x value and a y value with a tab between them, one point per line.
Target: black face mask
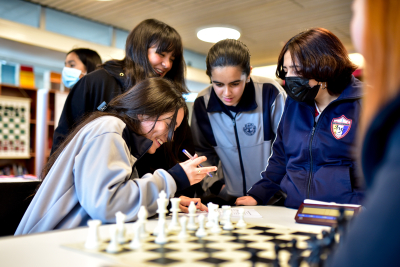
299	89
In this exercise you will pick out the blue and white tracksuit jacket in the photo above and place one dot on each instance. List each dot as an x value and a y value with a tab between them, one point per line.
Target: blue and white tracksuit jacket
238	143
315	160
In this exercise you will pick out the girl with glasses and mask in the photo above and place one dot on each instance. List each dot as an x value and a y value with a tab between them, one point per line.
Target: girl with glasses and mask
313	155
153	49
93	173
79	62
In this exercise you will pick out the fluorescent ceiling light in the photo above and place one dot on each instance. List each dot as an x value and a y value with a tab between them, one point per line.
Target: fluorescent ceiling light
216	34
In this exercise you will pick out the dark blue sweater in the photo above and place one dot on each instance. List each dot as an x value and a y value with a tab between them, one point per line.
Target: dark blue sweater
373	238
315	160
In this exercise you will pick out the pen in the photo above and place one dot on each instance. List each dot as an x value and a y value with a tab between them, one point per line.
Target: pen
191	157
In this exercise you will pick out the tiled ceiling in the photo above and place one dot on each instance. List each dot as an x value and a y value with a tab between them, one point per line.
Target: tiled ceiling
265	24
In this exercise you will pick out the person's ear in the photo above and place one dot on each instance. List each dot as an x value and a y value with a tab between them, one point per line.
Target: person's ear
248	77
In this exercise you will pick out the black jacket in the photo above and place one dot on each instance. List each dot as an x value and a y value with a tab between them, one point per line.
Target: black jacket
373	237
88	93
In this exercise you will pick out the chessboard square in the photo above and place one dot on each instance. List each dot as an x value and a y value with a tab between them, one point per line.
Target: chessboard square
241	241
238	256
16	125
218	238
213	260
160	250
5	119
206	250
262	228
205	240
269	234
5	125
5	131
228	246
234	234
16	120
163	261
124	250
303	234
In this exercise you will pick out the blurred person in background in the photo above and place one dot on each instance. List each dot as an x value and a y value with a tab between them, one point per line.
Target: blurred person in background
79	62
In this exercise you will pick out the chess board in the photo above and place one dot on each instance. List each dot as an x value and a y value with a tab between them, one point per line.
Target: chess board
14	127
228	248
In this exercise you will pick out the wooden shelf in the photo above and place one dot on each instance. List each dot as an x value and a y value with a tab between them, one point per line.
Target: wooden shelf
17	87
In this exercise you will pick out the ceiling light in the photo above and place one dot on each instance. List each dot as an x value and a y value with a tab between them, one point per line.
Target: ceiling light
215	34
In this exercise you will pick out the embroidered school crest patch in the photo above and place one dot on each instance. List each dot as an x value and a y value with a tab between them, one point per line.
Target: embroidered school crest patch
340	127
249	129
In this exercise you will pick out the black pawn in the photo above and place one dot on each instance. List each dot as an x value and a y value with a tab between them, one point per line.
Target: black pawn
276	260
295	258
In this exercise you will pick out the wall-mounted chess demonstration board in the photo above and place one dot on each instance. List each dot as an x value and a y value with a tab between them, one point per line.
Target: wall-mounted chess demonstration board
228	248
14	127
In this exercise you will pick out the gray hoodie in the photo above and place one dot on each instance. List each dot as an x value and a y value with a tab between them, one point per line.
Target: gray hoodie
95	176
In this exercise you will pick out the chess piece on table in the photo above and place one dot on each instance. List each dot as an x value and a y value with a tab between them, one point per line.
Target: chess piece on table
211	209
241	223
201	232
174	225
192	214
93	238
135	243
228	223
275	263
142	218
114	246
225	208
183	233
162	203
120	221
162	235
295	255
216	229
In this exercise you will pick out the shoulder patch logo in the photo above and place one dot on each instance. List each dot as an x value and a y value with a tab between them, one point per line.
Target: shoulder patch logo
340	127
249	129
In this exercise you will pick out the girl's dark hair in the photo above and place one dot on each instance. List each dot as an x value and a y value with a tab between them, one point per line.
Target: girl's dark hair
228	52
89	58
148	33
320	55
152	97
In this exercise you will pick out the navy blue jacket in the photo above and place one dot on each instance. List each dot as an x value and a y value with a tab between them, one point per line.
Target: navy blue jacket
315	160
373	237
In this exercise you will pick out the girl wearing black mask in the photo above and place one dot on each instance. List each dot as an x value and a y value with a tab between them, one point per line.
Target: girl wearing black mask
312	155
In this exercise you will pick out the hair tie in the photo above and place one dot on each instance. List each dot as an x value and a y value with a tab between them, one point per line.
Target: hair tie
103	106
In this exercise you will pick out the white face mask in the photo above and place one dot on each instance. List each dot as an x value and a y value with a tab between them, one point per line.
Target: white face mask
70	76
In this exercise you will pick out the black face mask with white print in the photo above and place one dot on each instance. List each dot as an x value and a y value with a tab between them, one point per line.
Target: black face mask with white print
299	89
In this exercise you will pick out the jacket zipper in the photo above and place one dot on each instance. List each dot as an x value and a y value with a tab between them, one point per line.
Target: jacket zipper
311	162
240	156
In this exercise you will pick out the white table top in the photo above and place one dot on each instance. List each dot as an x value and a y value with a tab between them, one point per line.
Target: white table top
45	249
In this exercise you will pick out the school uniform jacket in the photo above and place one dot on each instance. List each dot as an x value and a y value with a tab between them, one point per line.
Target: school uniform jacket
95	176
315	160
240	144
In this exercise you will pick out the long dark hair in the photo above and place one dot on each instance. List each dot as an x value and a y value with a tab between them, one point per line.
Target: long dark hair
228	52
148	33
89	58
152	97
321	56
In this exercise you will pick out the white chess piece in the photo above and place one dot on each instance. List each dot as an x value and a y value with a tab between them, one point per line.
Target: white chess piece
162	236
120	221
225	208
142	218
174	225
183	234
211	209
201	232
192	214
135	243
93	238
216	229
228	224
114	246
241	223
162	203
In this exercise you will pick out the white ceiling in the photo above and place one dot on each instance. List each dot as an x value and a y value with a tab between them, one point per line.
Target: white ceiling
265	24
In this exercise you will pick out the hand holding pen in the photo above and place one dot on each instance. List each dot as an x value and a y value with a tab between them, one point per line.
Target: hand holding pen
193	169
192	158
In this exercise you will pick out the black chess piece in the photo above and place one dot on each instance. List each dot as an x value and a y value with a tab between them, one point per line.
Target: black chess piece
315	245
341	223
275	263
295	257
253	258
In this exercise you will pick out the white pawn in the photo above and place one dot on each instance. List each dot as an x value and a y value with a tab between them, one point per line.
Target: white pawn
183	234
135	243
241	223
216	229
162	235
192	214
211	209
174	225
114	246
142	218
120	219
93	239
225	208
228	224
201	232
